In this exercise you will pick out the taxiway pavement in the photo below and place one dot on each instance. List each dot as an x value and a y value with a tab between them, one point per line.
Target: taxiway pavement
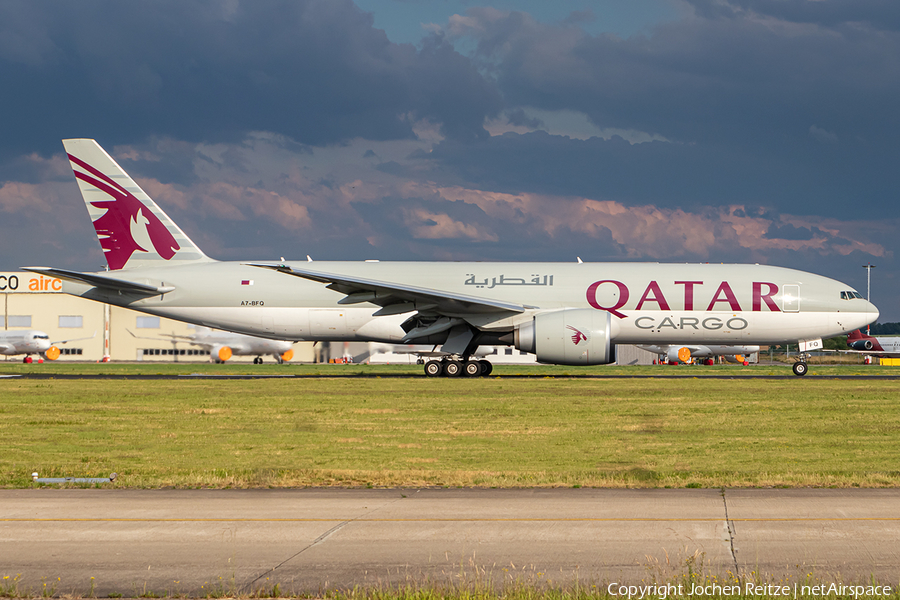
202	542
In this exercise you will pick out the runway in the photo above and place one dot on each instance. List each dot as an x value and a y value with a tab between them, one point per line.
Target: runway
202	542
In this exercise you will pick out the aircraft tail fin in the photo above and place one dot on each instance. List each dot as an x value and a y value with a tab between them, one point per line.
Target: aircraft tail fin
858	340
856	334
133	231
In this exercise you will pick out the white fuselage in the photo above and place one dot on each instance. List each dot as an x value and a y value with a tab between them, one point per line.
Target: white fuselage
889	344
29	341
650	303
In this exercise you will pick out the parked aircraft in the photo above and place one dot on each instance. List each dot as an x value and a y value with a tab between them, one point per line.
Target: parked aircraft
31	341
883	346
570	314
222	345
686	353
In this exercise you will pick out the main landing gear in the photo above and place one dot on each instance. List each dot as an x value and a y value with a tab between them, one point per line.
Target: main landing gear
800	367
458	368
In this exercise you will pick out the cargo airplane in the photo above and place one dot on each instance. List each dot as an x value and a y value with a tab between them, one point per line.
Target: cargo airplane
570	314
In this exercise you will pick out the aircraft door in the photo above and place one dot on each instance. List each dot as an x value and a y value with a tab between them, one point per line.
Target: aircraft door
790	298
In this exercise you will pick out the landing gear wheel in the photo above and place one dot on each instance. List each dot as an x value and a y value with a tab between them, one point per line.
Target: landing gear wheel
486	367
472	368
452	368
800	369
420	361
433	368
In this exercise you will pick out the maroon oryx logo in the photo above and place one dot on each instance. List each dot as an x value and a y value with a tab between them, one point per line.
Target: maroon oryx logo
125	217
577	337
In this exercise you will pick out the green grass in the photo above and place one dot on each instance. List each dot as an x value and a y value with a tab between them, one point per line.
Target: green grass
137	369
506	432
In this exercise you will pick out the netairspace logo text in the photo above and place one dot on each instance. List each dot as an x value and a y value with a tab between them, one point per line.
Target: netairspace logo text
661	592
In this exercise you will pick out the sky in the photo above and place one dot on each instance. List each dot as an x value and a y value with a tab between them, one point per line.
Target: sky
735	131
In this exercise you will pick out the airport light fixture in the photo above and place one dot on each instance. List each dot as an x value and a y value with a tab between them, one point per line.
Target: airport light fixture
868	267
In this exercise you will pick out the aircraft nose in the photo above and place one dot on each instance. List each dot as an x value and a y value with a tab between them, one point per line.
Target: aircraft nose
872	311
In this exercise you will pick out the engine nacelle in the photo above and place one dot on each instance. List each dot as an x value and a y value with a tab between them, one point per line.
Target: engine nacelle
862	345
678	354
220	353
573	336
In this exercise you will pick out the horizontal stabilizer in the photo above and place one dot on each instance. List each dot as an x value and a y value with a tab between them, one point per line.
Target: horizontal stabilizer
102	281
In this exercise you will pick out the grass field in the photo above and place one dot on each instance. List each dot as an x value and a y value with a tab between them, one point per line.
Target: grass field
546	430
147	368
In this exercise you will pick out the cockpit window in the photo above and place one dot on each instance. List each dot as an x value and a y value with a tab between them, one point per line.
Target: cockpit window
41	337
850	295
843	295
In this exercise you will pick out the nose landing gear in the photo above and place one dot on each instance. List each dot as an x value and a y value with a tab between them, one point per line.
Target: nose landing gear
800	367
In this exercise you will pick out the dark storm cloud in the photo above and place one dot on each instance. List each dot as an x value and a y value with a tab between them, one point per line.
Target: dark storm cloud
409	223
781	104
666	174
880	14
786	231
316	71
704	79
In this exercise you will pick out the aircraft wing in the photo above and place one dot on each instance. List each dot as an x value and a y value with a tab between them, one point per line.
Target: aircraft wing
90	337
5	347
162	337
396	298
101	281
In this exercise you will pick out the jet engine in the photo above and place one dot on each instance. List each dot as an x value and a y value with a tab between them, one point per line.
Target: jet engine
862	345
220	354
573	336
678	354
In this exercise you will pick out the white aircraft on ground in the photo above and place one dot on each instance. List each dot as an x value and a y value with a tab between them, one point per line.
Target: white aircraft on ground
571	314
680	353
31	341
222	345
